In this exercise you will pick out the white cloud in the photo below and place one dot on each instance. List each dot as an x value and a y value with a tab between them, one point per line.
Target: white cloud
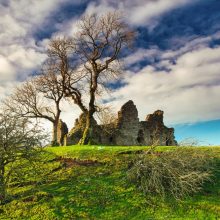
141	54
19	54
26	58
5	88
193	43
7	72
10	28
19	18
70	112
188	93
143	11
138	12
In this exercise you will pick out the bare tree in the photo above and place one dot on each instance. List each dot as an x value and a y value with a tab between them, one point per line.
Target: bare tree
60	56
190	142
107	118
39	97
50	85
19	138
89	60
98	44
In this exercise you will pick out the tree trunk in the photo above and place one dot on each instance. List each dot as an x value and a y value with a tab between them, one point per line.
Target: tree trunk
88	134
54	141
87	137
2	185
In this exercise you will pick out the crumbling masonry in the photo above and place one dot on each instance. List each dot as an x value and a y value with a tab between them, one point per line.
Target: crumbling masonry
127	130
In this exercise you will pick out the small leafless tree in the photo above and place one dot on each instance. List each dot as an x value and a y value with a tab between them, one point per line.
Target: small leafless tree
19	139
49	84
189	142
38	97
107	118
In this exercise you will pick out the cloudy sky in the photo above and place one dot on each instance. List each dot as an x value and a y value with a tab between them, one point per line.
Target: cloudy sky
174	65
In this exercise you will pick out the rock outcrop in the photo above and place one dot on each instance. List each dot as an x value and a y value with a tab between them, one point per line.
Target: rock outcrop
128	130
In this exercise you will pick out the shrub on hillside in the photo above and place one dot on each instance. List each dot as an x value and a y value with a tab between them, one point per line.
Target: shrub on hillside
177	173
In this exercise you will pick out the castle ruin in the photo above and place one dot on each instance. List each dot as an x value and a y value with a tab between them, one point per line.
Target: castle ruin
126	131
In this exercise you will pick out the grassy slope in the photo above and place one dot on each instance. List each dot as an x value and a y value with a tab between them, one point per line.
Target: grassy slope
100	191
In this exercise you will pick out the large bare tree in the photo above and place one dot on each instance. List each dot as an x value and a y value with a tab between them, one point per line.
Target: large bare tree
98	44
39	97
96	48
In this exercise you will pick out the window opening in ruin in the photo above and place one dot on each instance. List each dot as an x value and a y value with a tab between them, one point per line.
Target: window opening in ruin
140	138
111	139
167	142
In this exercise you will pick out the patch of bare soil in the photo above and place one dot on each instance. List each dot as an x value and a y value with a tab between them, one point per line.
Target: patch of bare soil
70	162
28	199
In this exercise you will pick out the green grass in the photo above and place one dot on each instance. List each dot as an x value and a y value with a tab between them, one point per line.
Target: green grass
100	191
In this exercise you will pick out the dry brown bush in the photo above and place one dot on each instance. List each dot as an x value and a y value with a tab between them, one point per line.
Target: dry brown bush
177	173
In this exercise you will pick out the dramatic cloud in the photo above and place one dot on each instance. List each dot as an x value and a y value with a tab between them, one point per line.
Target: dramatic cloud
138	12
143	11
7	71
174	65
188	92
20	54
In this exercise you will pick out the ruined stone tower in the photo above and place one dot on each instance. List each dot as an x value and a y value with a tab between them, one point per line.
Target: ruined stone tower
62	131
128	130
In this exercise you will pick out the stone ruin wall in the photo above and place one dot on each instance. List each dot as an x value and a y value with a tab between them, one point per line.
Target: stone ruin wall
62	131
127	130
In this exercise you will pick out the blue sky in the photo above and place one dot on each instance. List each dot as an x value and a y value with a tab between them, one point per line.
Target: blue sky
174	65
205	133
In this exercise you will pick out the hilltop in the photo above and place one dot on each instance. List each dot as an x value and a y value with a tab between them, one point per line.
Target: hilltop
89	182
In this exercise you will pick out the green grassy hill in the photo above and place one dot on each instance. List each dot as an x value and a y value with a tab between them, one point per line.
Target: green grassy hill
90	183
